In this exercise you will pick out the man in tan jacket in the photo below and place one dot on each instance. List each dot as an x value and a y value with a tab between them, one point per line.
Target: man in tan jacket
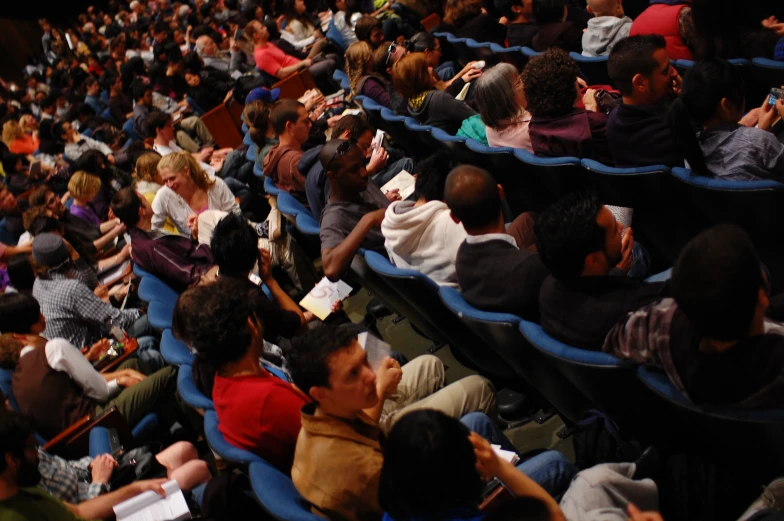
338	458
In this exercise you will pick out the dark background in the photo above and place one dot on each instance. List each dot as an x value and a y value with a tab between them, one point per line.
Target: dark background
20	35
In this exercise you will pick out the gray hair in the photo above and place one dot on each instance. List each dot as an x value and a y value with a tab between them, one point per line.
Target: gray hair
200	42
495	95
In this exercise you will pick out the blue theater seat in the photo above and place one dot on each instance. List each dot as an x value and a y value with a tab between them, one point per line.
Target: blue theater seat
501	332
592	69
189	392
422	293
174	351
276	493
222	447
270	188
153	289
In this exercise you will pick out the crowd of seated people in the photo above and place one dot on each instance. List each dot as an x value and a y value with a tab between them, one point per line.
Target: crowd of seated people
107	164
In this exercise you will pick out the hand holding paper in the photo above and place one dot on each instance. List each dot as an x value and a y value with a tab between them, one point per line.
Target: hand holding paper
323	296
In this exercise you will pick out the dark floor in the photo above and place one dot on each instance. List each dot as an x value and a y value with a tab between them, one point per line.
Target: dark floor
405	340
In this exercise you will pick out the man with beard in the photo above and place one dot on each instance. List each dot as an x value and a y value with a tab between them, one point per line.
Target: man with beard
588	253
20	499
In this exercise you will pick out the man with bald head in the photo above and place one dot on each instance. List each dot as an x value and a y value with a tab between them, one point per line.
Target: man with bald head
495	269
353	214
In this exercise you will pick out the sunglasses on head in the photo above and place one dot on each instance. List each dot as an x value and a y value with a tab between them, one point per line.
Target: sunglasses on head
341	151
390	50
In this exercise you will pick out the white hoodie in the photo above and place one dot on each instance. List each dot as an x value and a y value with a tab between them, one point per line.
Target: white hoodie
424	239
603	32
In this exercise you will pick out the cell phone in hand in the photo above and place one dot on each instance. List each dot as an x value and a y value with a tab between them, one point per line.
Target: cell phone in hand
775	94
378	140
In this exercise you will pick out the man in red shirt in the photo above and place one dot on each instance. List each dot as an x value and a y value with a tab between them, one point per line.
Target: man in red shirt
257	410
270	59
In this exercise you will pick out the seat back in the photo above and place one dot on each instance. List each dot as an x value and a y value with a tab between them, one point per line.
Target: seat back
342	79
430	22
597	375
186	386
559	175
522	189
756	206
501	332
631	187
294	85
335	36
423	133
6	377
270	188
765	73
456	48
592	69
290	207
160	314
686	424
422	293
221	125
129	131
401	135
153	289
223	448
276	493
174	351
362	274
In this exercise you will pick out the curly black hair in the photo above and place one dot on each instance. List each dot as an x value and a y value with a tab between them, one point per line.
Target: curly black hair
213	320
567	232
309	354
548	81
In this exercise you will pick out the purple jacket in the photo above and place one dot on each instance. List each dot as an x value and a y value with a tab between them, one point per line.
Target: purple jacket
579	133
177	260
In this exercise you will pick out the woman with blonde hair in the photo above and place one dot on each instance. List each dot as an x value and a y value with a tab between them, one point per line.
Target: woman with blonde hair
17	141
365	82
84	187
188	192
416	82
145	172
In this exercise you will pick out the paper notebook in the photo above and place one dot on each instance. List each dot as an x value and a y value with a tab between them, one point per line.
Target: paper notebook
149	506
323	296
508	455
377	350
111	275
404	182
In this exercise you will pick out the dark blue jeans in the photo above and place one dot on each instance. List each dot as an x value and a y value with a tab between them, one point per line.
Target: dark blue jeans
550	469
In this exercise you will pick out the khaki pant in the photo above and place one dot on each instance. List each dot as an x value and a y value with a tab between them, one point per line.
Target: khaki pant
422	387
193	125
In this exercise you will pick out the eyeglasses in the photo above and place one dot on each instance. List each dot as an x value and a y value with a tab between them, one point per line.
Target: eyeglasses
390	50
341	151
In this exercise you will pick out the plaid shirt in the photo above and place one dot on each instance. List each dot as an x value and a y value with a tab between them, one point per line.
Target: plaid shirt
645	338
67	480
74	313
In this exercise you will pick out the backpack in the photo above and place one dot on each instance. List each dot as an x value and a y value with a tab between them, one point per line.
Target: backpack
245	84
228	497
597	439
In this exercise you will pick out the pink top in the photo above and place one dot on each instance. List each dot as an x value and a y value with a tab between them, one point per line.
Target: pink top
271	59
202	210
515	135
